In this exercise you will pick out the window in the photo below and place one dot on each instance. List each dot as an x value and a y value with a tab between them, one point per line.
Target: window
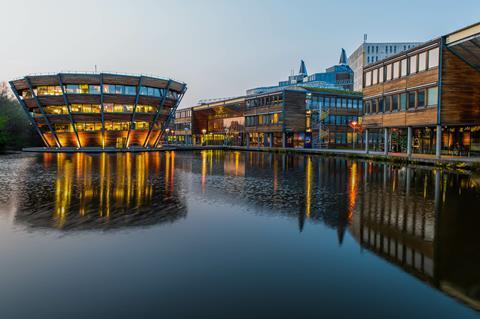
374	106
422	61
433	58
432	96
344	103
94	89
396	70
380	105
403	101
380	75
394	103
413	64
404	67
368	78
375	76
411	100
389	72
421	98
388	103
130	90
119	89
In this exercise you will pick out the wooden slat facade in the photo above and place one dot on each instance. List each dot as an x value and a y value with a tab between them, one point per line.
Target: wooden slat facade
422	116
460	92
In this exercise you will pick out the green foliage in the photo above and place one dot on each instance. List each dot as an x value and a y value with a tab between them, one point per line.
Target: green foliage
16	130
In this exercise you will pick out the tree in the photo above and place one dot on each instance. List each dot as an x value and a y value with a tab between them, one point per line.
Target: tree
16	130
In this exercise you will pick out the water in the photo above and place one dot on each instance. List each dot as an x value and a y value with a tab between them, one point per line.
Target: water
233	235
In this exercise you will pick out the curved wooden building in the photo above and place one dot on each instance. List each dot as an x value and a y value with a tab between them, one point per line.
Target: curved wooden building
99	110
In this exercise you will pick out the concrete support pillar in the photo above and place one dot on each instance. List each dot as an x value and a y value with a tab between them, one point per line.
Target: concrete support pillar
438	145
409	141
366	141
247	140
265	139
386	145
271	140
284	139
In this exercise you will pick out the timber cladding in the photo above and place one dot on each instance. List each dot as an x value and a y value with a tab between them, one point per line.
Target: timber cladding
460	93
419	117
295	108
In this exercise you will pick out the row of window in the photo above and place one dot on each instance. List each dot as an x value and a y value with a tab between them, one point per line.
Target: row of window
183	126
400	102
96	108
183	114
95	89
411	65
263	119
340	119
96	126
265	101
316	102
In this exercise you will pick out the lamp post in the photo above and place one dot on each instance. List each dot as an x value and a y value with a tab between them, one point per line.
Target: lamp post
354	125
167	130
226	136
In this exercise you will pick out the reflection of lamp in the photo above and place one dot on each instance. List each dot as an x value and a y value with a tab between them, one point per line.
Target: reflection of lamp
167	130
204	131
354	125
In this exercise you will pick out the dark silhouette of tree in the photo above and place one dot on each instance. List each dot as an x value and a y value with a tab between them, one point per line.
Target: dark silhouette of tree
16	130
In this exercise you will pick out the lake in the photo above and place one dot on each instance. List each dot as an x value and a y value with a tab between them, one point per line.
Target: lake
218	234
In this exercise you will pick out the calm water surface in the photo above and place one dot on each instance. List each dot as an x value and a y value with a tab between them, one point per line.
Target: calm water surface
235	235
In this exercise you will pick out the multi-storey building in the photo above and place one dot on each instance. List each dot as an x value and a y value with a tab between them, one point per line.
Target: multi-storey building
182	128
304	117
100	110
426	99
370	52
339	76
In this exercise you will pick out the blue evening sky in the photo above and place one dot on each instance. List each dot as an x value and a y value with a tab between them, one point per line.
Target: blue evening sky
219	48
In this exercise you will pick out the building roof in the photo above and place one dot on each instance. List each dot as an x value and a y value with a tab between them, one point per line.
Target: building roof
303	68
343	57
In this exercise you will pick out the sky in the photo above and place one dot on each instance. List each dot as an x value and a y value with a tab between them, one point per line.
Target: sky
219	48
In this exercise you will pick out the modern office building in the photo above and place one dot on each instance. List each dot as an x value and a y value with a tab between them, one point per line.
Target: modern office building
371	52
304	117
339	76
182	126
427	99
220	122
101	110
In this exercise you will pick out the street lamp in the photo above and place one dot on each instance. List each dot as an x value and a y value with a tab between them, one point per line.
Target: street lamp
354	125
166	135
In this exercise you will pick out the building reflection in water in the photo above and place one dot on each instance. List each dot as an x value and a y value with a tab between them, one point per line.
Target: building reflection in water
103	191
422	220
